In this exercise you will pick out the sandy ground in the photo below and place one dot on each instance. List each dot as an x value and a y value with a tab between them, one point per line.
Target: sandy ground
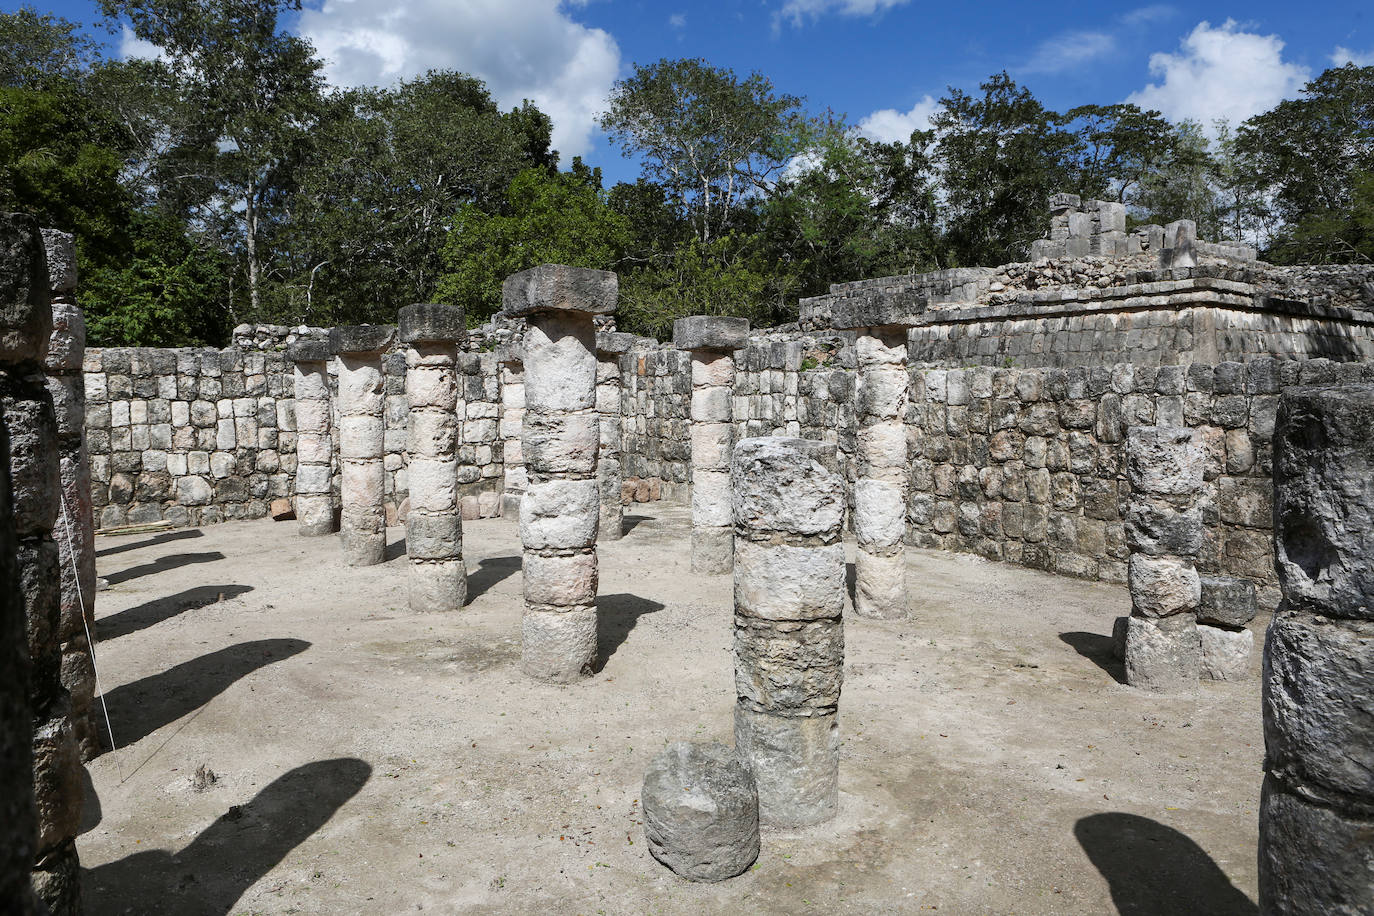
368	759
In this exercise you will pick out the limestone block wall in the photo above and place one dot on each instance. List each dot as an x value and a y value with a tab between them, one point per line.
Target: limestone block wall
655	424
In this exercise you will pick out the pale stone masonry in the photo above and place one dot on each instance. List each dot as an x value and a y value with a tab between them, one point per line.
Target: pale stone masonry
30	426
788	509
434	526
560	509
362	527
1317	806
75	531
510	357
711	341
1164	533
880	488
610	346
314	437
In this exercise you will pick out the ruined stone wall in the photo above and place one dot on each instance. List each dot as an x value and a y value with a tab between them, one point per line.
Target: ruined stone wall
656	441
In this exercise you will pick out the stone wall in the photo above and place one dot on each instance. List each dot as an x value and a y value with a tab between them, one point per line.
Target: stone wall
656	444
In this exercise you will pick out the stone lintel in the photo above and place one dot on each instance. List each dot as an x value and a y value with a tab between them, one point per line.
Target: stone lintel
559	288
308	350
361	338
425	322
710	332
613	343
891	310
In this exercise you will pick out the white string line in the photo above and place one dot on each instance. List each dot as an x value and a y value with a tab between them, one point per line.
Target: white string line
90	642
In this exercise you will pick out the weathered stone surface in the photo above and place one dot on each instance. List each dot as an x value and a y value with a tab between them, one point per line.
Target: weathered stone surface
1324	499
561	580
1226	601
713	550
785	666
1313	860
786	484
25	305
558	288
1163	654
701	811
783	582
60	251
559	514
1162	586
1225	652
1154	526
558	646
710	332
561	443
309	350
795	762
560	366
361	338
432	323
613	343
1164	461
877	310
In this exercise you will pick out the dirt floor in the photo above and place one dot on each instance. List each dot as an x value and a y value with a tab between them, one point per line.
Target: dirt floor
368	759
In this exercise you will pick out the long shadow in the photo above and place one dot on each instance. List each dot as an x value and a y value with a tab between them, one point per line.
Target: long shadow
394	551
851	578
153	612
164	538
141	708
162	564
209	876
616	616
490	573
1098	650
91	812
634	521
1154	870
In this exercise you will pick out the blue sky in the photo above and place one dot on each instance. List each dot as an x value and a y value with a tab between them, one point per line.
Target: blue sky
883	63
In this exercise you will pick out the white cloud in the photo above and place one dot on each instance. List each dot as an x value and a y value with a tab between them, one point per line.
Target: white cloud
131	46
889	125
1068	50
798	11
1221	73
1343	55
1148	14
678	20
522	49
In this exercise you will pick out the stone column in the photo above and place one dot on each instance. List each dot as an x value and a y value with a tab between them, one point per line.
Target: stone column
314	441
711	341
510	358
362	434
789	628
30	426
75	530
1164	534
610	345
434	527
1316	855
560	439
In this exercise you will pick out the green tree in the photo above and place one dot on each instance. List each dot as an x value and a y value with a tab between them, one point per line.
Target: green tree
1001	155
559	217
711	139
1311	157
1117	147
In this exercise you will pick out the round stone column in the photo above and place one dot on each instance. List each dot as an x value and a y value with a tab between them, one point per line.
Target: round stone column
1316	855
362	527
510	357
610	345
789	630
314	442
75	529
1164	534
711	341
559	512
30	428
434	527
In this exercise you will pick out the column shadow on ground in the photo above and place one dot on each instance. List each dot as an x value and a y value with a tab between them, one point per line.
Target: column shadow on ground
154	612
632	522
141	708
1097	649
616	616
164	538
1154	870
490	573
162	564
209	876
394	551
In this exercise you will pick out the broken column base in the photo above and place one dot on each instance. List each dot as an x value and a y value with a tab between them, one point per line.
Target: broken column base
1163	654
438	585
558	646
315	515
796	764
713	551
1225	652
701	811
880	585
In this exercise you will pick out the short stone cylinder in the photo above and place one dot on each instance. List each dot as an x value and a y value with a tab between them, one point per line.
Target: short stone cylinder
560	441
788	507
711	342
434	526
1163	647
314	503
880	490
1317	806
362	524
